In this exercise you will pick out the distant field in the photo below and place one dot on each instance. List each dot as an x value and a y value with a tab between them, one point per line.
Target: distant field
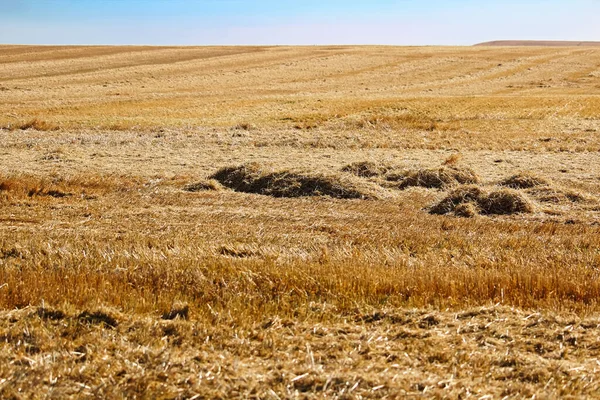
540	43
299	222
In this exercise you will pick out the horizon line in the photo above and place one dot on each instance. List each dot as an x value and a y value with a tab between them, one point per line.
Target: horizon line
492	43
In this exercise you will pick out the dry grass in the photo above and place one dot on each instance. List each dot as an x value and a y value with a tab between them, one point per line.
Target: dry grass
84	186
209	184
125	271
35	124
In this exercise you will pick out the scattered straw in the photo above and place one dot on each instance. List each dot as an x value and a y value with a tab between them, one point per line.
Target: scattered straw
205	185
367	169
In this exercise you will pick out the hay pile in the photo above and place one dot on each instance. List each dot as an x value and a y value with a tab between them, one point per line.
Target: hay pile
506	202
438	178
524	180
545	191
463	195
556	195
367	169
253	178
470	200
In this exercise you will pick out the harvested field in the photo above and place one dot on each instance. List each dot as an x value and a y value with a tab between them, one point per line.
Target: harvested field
281	222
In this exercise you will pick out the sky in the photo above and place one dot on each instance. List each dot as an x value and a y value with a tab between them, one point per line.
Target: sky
305	22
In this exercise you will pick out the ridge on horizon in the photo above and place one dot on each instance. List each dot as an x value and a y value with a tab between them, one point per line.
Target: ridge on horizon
552	43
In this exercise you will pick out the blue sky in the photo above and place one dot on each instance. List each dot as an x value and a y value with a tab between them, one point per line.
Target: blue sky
214	22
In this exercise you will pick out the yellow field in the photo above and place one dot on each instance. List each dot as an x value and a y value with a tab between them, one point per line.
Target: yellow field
134	263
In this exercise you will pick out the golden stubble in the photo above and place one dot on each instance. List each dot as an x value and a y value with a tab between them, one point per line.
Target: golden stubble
110	223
